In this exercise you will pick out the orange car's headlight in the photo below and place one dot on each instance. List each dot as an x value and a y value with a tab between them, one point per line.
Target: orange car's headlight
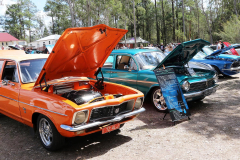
138	103
80	117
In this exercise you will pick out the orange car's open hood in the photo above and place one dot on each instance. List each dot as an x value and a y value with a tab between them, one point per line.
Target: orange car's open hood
80	52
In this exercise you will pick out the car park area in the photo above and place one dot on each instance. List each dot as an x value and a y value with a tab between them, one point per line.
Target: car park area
212	133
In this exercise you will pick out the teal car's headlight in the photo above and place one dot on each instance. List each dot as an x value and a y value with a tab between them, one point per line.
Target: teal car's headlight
138	103
186	85
215	78
80	117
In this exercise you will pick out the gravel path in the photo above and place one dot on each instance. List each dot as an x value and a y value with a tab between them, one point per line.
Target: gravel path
212	133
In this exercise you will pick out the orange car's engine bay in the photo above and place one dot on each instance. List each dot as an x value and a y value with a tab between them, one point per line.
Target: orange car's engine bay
81	92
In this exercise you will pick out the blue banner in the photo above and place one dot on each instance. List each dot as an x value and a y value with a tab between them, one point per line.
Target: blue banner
172	93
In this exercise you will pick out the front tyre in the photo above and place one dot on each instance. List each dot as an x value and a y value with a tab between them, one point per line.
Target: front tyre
49	136
217	71
158	100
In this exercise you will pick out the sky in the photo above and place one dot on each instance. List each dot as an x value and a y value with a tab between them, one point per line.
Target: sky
39	3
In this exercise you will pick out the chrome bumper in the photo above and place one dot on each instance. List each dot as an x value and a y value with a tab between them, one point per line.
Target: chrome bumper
94	124
232	69
205	92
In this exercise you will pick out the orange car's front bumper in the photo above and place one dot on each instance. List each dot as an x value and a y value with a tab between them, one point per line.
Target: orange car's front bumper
99	123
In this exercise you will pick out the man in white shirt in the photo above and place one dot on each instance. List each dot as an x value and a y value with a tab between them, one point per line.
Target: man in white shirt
219	45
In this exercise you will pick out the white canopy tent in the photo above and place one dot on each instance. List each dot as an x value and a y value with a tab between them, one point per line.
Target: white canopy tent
51	37
132	40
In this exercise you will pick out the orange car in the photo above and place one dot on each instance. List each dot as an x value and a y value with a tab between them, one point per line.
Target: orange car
53	95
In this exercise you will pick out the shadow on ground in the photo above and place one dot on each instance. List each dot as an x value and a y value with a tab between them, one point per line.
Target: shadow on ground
227	78
218	114
17	140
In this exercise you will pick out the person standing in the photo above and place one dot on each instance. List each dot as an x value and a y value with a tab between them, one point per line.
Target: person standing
2	47
222	45
162	47
117	46
45	50
219	45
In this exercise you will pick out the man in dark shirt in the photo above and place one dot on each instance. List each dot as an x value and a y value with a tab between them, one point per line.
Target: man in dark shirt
222	45
45	50
162	47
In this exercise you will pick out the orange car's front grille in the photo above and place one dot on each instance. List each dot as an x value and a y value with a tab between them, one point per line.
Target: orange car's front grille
109	112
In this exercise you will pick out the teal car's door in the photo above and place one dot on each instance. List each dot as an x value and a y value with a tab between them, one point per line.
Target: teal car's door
125	71
107	68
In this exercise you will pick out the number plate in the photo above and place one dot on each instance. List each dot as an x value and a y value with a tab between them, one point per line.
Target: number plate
110	128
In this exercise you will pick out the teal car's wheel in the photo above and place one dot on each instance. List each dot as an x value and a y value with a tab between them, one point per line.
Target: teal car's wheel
158	100
49	136
217	70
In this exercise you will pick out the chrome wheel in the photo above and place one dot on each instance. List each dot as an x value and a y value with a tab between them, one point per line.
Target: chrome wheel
158	100
45	132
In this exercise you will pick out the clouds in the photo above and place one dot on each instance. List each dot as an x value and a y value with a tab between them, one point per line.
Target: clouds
45	18
4	5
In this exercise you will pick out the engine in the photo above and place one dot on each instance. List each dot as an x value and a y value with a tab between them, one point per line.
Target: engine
82	96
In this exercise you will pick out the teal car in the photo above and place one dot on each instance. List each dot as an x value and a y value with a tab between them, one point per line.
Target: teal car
134	68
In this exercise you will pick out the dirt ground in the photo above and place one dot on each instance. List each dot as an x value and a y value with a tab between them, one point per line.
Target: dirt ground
212	133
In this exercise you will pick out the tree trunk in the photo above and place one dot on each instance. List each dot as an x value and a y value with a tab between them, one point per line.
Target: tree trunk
164	29
196	3
52	24
88	13
143	29
177	16
209	28
125	37
98	14
135	45
138	28
173	38
235	8
158	37
70	3
183	20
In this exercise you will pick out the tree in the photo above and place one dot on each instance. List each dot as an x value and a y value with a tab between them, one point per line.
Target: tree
230	31
45	33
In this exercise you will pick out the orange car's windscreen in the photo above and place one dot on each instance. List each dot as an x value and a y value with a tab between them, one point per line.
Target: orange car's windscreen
30	69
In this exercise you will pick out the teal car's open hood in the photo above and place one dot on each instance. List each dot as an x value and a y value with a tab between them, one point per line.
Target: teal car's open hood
183	53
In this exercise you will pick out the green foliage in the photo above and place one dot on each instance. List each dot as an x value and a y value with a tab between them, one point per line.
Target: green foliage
210	21
180	34
45	33
230	31
19	18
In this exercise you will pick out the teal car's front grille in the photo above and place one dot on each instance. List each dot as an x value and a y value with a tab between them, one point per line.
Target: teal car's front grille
109	112
199	86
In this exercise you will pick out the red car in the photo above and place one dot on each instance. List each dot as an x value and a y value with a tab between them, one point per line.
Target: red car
234	52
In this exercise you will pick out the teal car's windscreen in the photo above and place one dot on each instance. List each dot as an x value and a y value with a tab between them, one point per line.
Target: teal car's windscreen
149	60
